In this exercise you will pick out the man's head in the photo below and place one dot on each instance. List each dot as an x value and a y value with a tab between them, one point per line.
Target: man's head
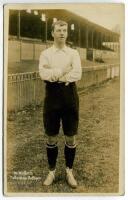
60	31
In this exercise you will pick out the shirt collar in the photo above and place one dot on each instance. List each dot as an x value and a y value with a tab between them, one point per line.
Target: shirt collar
64	49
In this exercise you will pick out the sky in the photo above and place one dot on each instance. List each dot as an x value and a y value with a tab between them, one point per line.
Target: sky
107	15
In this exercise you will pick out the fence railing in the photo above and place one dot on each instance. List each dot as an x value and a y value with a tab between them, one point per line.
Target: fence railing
27	88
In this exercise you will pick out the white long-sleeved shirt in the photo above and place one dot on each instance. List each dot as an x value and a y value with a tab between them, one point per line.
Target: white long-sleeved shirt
54	61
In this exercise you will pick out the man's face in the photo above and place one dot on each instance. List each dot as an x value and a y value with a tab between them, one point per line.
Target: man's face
60	33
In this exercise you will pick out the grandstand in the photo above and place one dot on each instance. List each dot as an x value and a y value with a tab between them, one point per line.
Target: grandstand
34	26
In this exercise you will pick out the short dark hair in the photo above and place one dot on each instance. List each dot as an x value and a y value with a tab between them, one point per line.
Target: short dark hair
59	22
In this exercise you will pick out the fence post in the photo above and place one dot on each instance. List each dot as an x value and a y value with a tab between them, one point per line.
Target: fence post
34	87
33	51
20	50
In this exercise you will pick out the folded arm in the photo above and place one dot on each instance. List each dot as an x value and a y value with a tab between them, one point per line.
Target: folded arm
68	74
76	72
46	72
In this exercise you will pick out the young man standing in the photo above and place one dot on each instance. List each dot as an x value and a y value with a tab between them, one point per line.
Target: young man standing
60	68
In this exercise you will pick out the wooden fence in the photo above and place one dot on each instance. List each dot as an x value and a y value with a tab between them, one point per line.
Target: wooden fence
25	89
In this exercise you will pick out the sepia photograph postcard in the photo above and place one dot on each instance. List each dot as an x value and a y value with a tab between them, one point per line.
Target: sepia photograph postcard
63	99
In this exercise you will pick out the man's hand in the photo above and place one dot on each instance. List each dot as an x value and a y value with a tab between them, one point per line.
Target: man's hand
58	73
55	77
66	70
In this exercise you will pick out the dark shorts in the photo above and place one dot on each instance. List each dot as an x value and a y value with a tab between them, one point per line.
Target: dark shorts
61	103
